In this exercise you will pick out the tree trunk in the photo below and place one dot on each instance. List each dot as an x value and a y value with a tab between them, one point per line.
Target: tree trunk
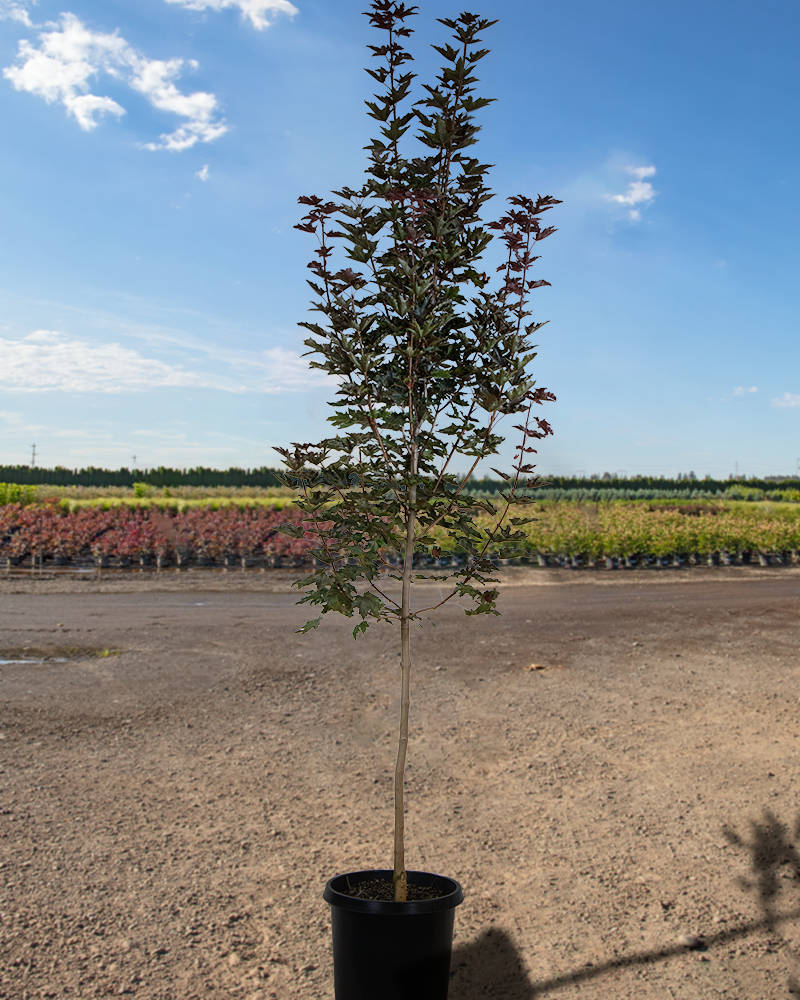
399	877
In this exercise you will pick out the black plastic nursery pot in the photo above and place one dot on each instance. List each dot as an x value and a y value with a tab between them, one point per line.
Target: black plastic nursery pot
388	950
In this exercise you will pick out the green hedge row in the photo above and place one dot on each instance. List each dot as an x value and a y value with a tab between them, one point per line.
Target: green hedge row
267	477
161	476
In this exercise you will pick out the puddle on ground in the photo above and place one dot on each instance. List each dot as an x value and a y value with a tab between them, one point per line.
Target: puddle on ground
60	659
22	655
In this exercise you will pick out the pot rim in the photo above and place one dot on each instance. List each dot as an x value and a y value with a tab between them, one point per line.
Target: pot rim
453	894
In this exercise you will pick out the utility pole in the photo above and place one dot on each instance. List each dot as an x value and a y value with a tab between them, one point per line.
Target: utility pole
33	457
134	461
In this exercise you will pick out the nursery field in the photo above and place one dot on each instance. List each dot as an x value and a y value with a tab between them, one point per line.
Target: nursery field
610	769
114	532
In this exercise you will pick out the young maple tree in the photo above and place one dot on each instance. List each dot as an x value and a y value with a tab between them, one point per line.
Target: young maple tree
427	357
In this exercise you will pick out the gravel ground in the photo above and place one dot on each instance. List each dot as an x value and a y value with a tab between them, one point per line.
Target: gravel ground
623	818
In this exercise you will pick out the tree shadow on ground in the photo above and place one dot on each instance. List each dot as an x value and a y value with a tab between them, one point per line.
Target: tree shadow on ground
492	966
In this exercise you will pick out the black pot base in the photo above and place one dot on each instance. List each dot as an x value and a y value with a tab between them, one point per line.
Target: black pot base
395	951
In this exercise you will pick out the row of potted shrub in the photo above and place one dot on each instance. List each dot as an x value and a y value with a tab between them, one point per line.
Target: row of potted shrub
564	534
615	531
122	536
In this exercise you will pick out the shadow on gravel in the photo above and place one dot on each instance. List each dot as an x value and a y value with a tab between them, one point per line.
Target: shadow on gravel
773	859
492	966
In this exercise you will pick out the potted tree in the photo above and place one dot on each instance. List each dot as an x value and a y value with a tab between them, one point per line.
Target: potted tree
429	360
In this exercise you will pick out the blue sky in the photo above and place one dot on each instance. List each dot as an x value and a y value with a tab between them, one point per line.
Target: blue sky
151	280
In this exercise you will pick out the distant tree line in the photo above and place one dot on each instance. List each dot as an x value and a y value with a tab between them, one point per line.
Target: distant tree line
645	487
161	476
26	475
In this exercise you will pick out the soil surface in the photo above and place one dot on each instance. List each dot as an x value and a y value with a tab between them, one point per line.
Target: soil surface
611	770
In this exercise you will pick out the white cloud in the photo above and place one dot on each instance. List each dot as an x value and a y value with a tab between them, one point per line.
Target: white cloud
787	400
740	390
16	10
286	371
18	421
255	10
203	173
639	191
47	361
71	55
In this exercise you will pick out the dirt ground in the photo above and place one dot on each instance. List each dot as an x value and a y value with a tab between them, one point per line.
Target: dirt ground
169	813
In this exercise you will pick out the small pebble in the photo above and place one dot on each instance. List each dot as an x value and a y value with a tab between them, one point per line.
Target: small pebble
690	941
233	959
